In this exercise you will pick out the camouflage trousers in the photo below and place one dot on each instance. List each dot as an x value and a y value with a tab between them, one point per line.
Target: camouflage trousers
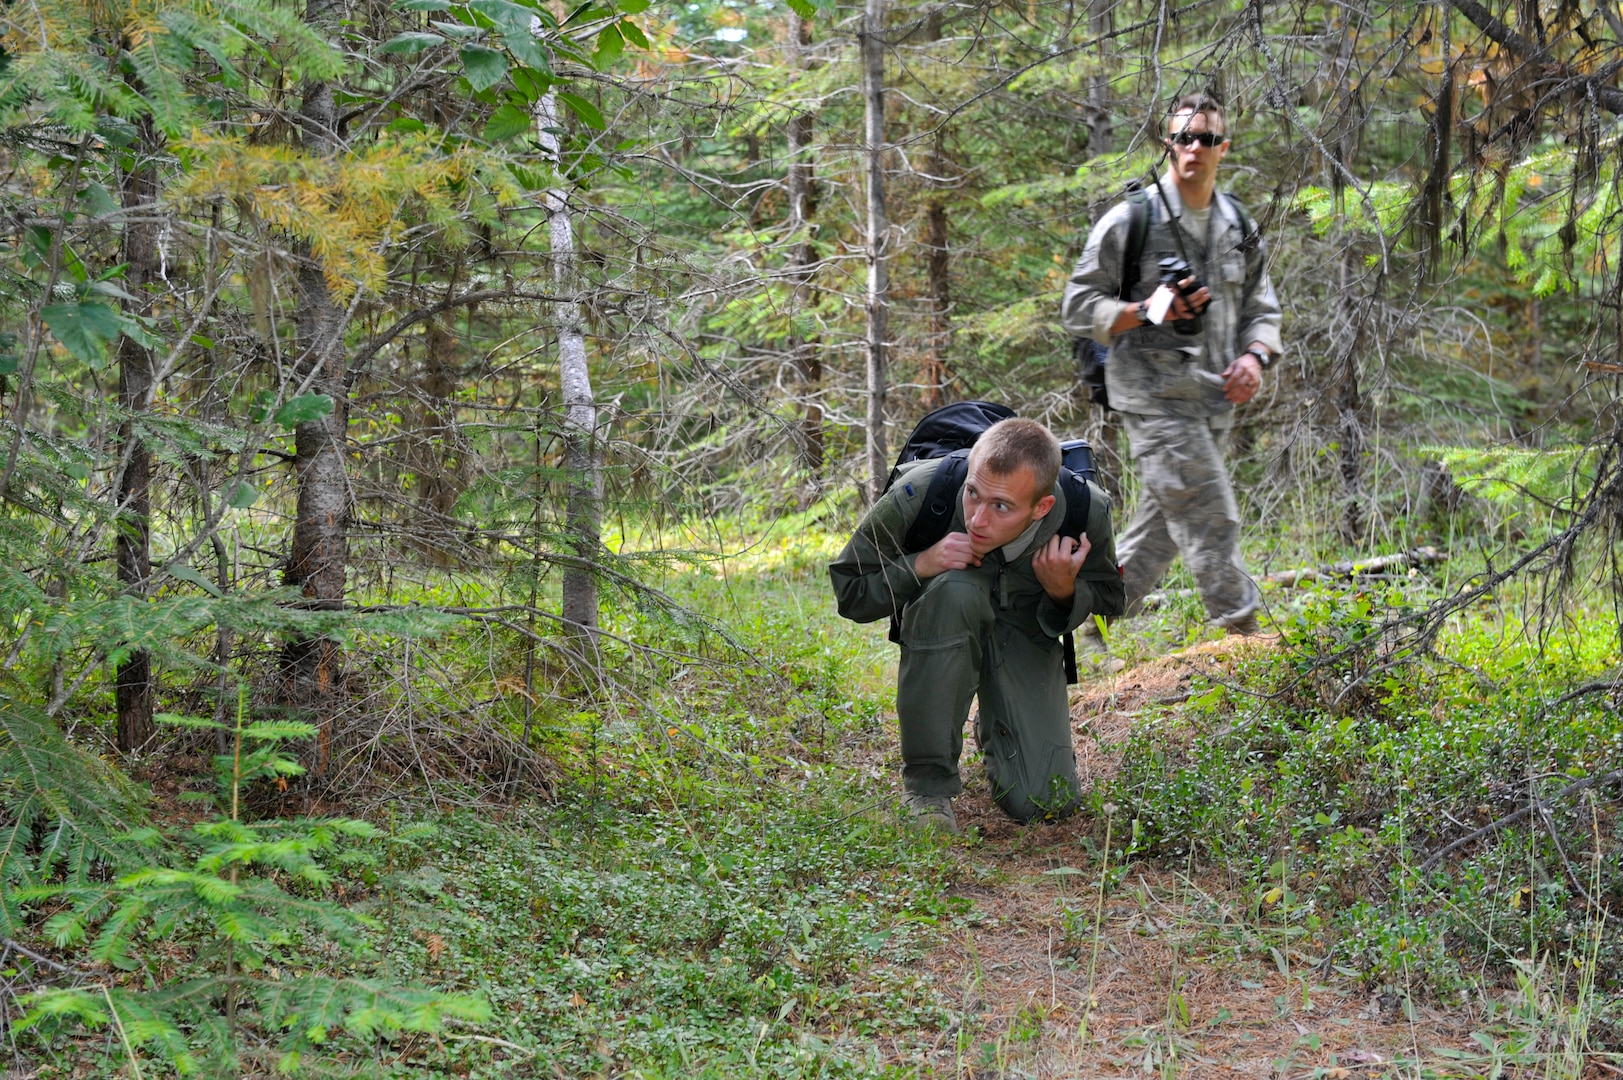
1186	507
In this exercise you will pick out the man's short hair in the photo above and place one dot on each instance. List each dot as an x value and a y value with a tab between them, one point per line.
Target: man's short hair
1008	445
1198	103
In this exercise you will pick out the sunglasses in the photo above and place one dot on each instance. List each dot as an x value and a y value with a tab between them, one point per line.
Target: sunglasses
1204	138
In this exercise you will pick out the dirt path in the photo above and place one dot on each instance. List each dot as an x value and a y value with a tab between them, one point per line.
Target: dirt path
1180	979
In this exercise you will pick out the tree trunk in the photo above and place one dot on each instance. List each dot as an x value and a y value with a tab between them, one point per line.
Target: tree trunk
583	506
139	251
435	453
1435	194
803	261
1356	311
1101	132
873	93
1349	404
940	279
938	265
320	555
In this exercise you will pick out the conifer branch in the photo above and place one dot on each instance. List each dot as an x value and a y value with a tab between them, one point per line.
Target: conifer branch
479	296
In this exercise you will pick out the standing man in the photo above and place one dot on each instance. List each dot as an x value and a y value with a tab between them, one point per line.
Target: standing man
1176	390
982	611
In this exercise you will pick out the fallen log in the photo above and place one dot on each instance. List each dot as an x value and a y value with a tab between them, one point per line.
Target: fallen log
1349	568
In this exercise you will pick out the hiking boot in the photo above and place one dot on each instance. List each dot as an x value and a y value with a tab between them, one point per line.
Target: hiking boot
932	812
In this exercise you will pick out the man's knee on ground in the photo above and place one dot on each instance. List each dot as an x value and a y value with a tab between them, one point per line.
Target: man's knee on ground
1059	799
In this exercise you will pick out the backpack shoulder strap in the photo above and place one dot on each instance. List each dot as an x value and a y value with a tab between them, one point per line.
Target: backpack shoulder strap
1138	232
1250	235
940	499
1078	504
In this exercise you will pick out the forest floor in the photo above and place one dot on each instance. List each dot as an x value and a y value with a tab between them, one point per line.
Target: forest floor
1073	950
718	884
1176	981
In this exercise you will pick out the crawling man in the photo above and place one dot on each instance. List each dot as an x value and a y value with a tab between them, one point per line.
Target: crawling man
982	612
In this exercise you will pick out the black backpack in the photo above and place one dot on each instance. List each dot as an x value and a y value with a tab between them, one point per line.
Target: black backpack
1090	356
949	432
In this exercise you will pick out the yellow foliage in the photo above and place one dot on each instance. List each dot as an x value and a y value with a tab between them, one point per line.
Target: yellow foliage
347	207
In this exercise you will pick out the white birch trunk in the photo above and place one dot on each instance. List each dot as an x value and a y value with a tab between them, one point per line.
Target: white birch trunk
583	507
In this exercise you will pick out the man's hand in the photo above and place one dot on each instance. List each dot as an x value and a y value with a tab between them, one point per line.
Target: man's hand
1242	379
1057	565
1190	307
951	552
1181	306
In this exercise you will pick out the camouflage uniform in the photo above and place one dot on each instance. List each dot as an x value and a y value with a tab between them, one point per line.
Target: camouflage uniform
1169	389
990	631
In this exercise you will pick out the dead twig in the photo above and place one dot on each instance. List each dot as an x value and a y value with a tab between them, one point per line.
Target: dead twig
1516	815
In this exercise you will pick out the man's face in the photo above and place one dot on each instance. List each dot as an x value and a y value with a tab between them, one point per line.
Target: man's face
1000	506
1193	162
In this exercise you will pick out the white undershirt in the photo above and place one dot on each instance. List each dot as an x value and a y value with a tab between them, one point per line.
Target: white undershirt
1196	222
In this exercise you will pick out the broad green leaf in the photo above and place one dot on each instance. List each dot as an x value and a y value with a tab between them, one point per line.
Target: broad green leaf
484	67
242	495
523	46
422	5
585	13
459	31
302	410
186	573
803	8
609	47
98	199
505	14
533	82
633	34
635	7
108	288
517	25
407	125
85	330
412	41
506	122
588	113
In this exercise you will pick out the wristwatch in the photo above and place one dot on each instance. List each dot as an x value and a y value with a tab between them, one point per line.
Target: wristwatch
1141	312
1263	359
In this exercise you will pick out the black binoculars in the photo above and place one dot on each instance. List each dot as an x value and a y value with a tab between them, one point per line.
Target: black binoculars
1175	272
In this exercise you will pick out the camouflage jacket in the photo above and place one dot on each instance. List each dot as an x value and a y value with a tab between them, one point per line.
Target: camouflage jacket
1154	370
873	576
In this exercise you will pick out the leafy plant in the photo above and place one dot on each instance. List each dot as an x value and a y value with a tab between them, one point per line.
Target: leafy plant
229	931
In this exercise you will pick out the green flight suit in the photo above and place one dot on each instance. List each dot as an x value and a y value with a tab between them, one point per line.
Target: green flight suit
990	631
